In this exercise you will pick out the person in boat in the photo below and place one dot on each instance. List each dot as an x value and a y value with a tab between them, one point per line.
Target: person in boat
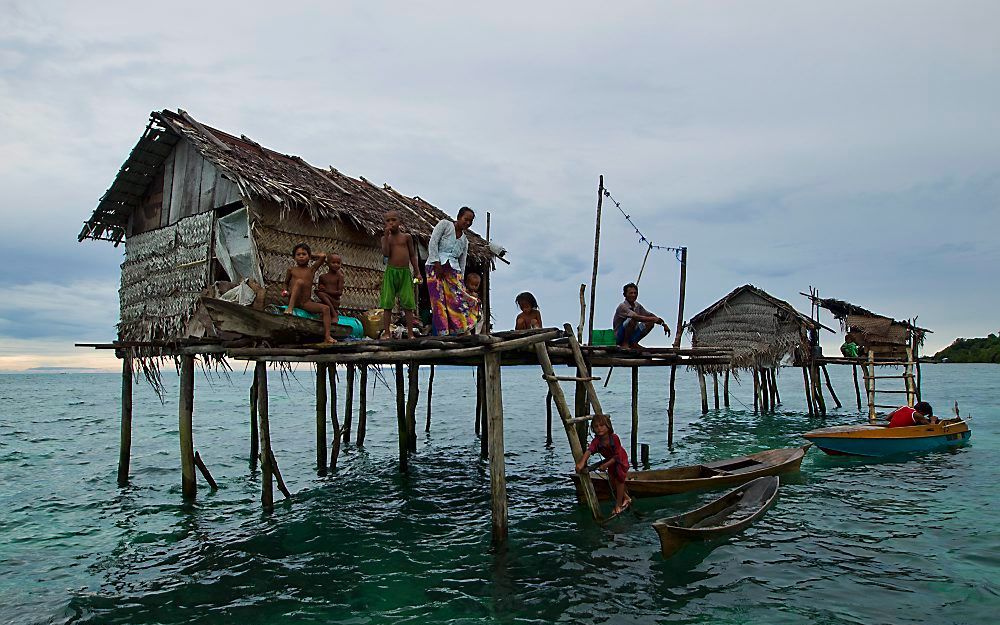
920	414
330	288
632	322
398	281
452	306
299	285
530	317
607	443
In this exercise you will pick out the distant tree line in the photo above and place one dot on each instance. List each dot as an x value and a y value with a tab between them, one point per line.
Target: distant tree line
972	350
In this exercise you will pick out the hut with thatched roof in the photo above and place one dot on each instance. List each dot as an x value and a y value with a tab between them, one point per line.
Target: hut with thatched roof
885	337
198	207
762	331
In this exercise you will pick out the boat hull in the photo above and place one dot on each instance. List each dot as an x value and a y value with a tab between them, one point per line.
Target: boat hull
246	321
875	441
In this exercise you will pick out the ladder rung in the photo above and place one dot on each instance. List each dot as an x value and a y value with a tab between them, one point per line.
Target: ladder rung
896	392
885	406
568	378
888	377
573	420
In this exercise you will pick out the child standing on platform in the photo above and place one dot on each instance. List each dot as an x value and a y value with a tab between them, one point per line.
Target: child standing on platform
398	281
616	459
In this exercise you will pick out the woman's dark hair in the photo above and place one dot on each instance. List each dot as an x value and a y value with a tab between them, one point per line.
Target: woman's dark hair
630	285
463	210
526	297
302	246
601	418
923	408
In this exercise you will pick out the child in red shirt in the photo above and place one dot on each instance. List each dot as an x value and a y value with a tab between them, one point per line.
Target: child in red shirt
904	416
616	458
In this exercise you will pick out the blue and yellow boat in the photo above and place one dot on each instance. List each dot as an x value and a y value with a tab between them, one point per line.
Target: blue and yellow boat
878	440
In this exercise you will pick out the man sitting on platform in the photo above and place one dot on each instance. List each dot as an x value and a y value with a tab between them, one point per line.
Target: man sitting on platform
920	414
632	322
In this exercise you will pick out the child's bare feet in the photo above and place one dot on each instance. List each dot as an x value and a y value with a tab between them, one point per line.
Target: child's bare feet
329	340
384	335
289	310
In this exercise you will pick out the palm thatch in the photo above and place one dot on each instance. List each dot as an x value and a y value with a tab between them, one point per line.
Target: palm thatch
884	336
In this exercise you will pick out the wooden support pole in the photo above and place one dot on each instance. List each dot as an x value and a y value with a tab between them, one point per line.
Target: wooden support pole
715	388
833	393
916	359
331	374
809	397
678	333
479	400
817	389
548	419
765	392
774	386
430	391
704	392
277	476
321	418
725	389
412	397
644	454
498	478
362	406
869	372
266	485
349	404
908	378
401	419
597	254
254	432
670	406
125	438
185	413
484	432
857	388
198	462
635	416
756	390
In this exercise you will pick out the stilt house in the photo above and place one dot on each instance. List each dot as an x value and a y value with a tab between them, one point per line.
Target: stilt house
883	336
197	206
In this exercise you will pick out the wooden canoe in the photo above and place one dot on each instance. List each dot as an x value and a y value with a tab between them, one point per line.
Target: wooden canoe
731	513
707	476
879	440
288	329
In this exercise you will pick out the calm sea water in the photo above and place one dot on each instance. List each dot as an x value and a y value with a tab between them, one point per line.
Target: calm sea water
909	540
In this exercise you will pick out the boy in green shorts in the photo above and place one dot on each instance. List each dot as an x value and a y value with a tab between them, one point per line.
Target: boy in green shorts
398	281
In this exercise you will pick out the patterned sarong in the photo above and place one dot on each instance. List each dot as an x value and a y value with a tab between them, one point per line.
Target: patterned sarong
454	310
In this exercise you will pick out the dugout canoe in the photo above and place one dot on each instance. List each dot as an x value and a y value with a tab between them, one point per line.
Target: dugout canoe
878	440
729	514
288	329
707	476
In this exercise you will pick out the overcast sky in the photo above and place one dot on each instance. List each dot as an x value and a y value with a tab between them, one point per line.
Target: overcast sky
852	146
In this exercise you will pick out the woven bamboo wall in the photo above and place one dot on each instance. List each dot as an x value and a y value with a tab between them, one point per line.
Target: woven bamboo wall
164	273
880	335
275	234
759	333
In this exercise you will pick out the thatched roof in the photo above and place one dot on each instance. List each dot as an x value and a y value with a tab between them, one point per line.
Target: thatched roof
778	303
841	309
259	172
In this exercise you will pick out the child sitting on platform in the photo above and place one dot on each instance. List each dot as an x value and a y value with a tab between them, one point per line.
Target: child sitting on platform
398	281
298	286
530	316
615	459
331	285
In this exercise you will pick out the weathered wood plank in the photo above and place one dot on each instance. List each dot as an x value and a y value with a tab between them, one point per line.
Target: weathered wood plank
206	195
498	477
125	440
185	412
168	181
180	159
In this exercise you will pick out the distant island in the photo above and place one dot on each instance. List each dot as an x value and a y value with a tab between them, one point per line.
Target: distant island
971	350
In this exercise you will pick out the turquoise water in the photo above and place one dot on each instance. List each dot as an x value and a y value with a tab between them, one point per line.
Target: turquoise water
908	540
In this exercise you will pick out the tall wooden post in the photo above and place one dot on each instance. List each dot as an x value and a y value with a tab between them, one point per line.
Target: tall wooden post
909	378
833	393
331	376
125	438
484	431
430	392
756	390
869	372
809	397
266	472
725	389
185	413
321	418
916	360
704	391
817	389
678	333
349	404
597	254
765	393
479	400
715	388
635	416
401	419
362	406
412	397
254	432
774	387
670	406
548	419
498	477
857	389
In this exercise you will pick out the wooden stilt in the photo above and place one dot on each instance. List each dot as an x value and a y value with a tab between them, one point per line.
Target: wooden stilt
321	418
266	485
715	388
484	432
277	476
331	375
817	390
362	406
809	397
430	391
198	462
479	401
725	389
833	393
756	390
774	387
869	372
597	249
916	360
125	438
857	389
349	404
765	392
704	392
670	407
635	416
185	413
644	455
254	432
548	419
498	478
401	419
412	397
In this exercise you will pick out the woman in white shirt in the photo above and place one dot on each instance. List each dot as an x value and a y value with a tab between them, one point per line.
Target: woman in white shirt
454	309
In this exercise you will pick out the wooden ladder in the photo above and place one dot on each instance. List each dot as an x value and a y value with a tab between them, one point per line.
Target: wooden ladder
584	486
908	377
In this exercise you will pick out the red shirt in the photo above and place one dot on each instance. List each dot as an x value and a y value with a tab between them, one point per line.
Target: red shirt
902	417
